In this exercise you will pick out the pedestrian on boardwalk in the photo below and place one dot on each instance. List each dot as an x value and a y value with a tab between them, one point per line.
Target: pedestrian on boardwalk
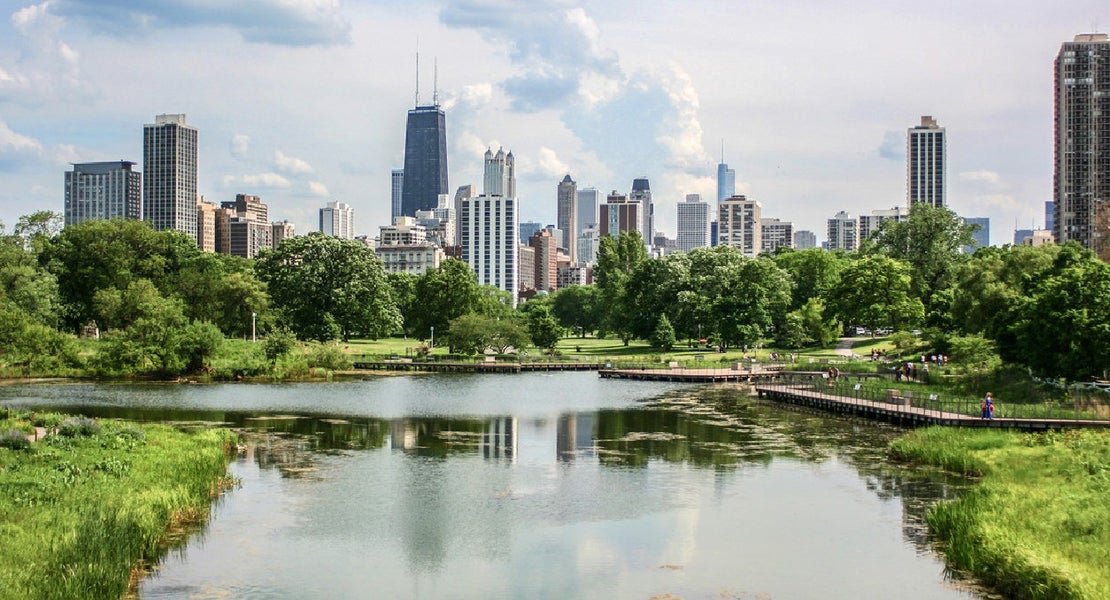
987	407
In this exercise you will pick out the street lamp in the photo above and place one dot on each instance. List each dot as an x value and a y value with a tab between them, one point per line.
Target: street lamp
432	345
254	319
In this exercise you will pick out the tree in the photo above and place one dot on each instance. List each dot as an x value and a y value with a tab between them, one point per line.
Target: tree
651	290
444	294
874	292
1063	328
617	258
577	308
663	336
813	271
993	282
403	285
473	333
930	241
223	290
543	329
329	287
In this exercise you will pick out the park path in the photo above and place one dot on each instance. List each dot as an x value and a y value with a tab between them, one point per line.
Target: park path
844	346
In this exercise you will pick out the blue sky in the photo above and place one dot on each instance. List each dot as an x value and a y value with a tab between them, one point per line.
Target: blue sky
303	101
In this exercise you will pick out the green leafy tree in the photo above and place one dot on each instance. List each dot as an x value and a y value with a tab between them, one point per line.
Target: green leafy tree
329	287
223	290
474	333
617	258
578	308
278	343
874	292
651	290
663	337
543	329
993	282
813	272
404	295
443	295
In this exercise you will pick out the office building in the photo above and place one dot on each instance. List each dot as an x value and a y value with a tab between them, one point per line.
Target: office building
693	223
1021	235
397	187
170	174
248	226
1037	237
546	254
776	234
526	277
338	219
982	235
740	224
425	168
1081	193
1049	217
726	180
281	230
567	215
926	162
588	246
103	190
587	209
529	229
842	233
206	225
805	239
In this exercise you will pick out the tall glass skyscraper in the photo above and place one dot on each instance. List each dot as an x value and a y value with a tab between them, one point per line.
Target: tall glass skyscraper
397	184
425	170
170	174
726	181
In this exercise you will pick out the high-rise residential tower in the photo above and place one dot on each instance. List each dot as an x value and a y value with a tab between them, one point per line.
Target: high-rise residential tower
338	219
587	209
170	174
693	223
740	224
488	231
567	216
103	190
842	232
926	161
620	214
1081	209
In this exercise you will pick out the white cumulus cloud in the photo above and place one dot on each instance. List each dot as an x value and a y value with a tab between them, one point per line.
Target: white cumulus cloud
257	180
318	189
240	145
290	164
982	176
16	143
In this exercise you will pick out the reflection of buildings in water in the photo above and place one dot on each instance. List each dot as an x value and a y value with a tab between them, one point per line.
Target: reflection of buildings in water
403	434
499	440
917	493
575	433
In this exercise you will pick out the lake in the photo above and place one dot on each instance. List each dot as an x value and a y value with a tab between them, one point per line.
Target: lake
541	485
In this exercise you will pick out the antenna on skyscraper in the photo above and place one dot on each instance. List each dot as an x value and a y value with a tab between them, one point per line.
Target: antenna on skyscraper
418	76
435	81
722	149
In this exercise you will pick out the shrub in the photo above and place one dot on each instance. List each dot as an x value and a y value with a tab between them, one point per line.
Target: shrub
328	356
75	426
14	439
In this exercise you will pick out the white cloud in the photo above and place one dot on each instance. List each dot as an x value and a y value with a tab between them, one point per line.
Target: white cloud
16	143
290	164
549	163
65	154
318	189
240	145
983	176
257	180
893	146
470	96
48	67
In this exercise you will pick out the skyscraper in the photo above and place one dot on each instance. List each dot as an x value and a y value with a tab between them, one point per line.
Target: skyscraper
776	234
740	224
726	180
103	190
1082	160
925	164
249	227
567	216
488	226
982	235
693	223
587	209
397	186
619	214
641	191
425	169
842	232
170	174
338	219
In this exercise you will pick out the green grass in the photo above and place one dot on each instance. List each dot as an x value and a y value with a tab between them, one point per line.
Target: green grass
1038	524
78	514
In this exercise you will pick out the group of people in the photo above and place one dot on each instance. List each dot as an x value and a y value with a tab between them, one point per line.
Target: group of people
987	407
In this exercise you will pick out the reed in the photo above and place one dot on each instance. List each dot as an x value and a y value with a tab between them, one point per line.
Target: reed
78	514
1038	524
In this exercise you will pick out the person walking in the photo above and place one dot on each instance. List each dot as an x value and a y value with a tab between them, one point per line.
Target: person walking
987	407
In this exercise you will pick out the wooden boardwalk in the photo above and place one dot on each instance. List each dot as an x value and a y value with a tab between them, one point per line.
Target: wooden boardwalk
473	367
804	395
684	375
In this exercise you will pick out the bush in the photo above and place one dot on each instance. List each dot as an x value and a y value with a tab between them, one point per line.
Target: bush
76	426
328	356
14	439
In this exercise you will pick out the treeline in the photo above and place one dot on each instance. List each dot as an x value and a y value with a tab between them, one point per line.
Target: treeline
163	306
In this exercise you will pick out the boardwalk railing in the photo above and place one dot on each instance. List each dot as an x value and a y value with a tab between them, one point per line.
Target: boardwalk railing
927	405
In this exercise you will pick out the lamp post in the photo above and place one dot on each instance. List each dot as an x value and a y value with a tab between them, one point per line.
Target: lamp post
254	319
432	345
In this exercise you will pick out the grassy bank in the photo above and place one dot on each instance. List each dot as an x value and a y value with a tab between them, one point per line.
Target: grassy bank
1038	525
79	511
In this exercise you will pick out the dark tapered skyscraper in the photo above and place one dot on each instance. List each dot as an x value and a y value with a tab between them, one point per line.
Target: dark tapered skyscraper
425	159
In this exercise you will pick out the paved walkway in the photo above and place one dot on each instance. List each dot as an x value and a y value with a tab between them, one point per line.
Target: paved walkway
844	346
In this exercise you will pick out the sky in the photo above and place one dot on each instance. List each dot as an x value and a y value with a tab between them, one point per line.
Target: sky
303	102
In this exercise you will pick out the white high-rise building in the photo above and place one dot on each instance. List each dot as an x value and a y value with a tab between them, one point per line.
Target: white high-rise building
868	224
805	239
739	222
103	190
926	162
693	223
397	187
588	242
567	216
488	231
170	174
776	234
338	219
842	232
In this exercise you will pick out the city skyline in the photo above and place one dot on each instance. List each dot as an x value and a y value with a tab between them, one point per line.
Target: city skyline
810	131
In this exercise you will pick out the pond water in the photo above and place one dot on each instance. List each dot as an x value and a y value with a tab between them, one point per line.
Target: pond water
537	486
